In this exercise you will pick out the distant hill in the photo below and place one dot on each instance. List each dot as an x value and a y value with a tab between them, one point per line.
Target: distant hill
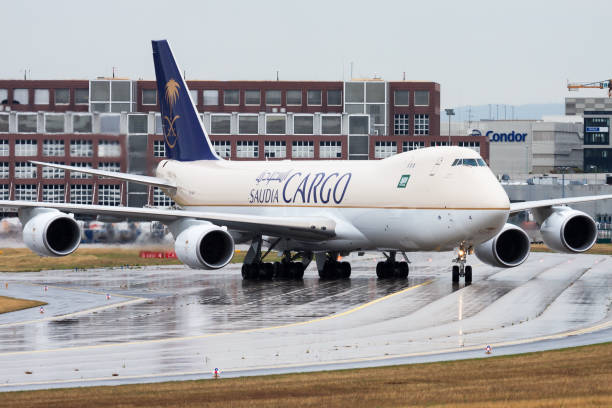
501	112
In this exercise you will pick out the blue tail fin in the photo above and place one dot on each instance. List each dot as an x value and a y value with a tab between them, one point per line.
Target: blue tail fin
184	134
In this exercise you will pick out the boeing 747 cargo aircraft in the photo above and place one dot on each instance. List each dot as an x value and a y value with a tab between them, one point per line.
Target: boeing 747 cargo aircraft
433	199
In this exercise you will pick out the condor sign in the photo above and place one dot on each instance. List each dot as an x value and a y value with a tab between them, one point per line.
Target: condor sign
513	136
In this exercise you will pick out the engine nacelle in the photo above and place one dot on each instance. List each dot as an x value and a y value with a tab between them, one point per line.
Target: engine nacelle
507	249
49	232
568	230
202	245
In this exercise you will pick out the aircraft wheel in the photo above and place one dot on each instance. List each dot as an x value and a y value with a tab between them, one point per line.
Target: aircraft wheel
403	270
297	270
468	275
381	270
455	273
266	271
345	269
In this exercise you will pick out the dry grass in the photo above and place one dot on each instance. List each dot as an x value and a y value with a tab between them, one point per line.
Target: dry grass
598	249
577	377
9	304
24	260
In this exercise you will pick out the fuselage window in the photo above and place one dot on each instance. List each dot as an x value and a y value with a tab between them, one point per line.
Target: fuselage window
470	162
482	163
456	162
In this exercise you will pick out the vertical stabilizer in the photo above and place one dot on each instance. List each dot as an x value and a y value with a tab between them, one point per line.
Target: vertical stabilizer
184	133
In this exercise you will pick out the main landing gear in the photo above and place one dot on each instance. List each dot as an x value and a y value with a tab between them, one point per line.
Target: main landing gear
330	268
254	267
391	268
462	270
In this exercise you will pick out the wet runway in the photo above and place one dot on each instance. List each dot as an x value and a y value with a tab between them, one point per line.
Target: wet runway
175	323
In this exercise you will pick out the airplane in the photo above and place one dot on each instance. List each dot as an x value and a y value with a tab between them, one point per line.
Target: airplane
430	199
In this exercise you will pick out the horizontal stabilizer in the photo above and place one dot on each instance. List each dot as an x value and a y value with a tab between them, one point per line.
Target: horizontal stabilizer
147	180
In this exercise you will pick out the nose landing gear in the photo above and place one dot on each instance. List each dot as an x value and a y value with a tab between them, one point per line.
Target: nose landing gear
462	270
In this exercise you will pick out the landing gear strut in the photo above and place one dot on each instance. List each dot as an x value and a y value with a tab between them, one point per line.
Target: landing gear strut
255	268
462	270
330	268
391	268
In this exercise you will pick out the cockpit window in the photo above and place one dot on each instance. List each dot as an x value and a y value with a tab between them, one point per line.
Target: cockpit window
469	162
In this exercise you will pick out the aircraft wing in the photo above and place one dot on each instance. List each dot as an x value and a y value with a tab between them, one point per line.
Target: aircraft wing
309	228
147	180
527	205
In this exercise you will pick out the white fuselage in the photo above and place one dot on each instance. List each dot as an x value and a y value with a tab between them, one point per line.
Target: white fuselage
374	204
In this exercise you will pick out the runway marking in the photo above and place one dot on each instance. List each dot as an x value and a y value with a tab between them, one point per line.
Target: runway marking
203	336
601	326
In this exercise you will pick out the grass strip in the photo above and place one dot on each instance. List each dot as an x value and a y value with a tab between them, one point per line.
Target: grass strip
580	376
10	304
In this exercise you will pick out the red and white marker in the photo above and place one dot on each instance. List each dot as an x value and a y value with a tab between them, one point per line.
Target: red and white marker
108	296
46	288
42	310
488	349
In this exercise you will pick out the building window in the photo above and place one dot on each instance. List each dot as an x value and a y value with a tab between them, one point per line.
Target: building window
294	97
421	98
375	92
110	124
303	125
53	193
275	148
211	97
334	97
421	124
52	173
26	192
4	96
81	148
81	123
81	96
4	123
408	146
54	123
596	138
437	144
21	96
401	124
5	192
4	170
137	124
385	149
252	97
159	148
4	148
78	174
41	97
53	148
248	124
314	97
401	97
109	148
220	124
223	148
149	96
110	166
273	97
26	123
62	96
81	193
331	125
354	92
26	148
231	97
330	150
247	148
302	149
358	125
109	194
25	170
276	124
471	145
160	199
194	96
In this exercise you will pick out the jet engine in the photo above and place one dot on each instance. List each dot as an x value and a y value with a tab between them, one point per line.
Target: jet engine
49	232
507	249
567	230
202	245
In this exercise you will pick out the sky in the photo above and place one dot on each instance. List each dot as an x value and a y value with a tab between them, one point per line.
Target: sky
480	52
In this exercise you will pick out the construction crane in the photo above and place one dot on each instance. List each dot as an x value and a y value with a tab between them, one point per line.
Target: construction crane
605	84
